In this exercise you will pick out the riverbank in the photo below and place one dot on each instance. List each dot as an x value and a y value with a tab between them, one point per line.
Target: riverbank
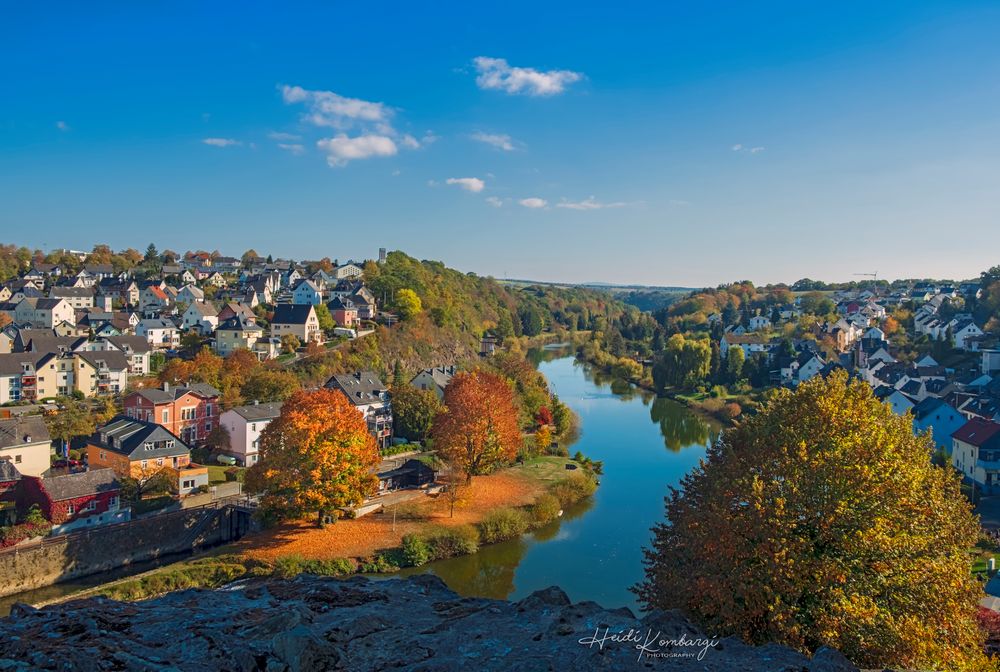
494	508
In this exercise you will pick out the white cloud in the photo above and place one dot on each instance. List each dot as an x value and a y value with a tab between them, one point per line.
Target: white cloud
533	202
754	150
294	148
473	184
341	148
283	137
745	149
498	140
62	125
737	148
589	203
327	108
494	201
497	74
222	142
370	123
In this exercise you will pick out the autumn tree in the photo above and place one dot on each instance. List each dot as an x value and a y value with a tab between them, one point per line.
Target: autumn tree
821	521
684	363
478	431
316	456
408	304
414	411
290	343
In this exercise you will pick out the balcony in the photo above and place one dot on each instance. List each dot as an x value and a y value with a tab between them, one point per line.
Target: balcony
989	465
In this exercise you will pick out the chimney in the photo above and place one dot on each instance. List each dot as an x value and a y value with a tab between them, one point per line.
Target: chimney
166	387
27	438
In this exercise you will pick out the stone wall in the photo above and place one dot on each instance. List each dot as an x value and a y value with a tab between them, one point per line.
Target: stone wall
102	549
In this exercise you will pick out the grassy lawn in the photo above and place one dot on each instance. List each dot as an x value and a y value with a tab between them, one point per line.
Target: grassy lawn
981	552
545	468
217	473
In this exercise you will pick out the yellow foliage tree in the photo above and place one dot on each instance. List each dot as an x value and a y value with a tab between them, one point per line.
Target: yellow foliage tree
821	521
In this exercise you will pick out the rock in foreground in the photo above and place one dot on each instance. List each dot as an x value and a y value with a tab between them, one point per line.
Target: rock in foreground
313	623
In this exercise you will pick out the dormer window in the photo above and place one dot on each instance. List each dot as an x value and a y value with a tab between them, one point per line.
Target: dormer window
148	445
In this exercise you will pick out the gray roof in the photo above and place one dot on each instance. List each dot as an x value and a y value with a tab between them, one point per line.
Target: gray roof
134	343
268	411
71	292
128	436
16	431
161	396
238	323
82	484
8	472
442	375
362	387
112	359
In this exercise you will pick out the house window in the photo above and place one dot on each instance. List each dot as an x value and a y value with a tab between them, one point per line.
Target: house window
147	446
159	461
103	455
170	443
70	509
17	459
253	427
187	484
143	464
91	505
166	416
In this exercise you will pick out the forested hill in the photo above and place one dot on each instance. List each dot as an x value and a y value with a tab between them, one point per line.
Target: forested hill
445	312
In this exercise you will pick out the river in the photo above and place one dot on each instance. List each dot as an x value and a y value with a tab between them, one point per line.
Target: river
594	552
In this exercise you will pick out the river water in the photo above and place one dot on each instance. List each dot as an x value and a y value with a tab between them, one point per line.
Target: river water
594	552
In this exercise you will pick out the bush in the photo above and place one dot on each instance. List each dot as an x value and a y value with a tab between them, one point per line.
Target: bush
573	488
545	509
503	524
416	552
292	565
450	542
381	563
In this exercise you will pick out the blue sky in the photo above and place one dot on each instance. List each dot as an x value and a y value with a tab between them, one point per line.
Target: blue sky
656	143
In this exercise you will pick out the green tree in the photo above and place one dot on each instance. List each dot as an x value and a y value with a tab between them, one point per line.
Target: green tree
290	343
735	357
75	419
414	411
821	521
265	385
326	322
684	363
408	304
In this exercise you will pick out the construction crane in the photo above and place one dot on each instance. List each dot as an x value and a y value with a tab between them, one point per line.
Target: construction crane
873	276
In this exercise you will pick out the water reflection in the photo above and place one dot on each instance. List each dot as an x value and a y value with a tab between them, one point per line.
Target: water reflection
680	427
594	552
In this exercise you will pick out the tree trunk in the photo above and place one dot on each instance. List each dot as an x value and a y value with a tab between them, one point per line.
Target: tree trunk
321	519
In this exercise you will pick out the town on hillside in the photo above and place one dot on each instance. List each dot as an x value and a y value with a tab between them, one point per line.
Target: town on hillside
96	428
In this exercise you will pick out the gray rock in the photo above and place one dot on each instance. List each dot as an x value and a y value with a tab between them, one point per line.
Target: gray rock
417	624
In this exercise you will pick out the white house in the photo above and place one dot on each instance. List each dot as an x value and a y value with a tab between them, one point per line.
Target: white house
975	451
962	331
759	323
750	343
244	425
307	293
44	313
434	379
190	293
161	334
203	317
25	442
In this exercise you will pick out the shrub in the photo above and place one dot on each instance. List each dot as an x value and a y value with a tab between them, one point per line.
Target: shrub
380	563
573	488
502	524
416	552
733	410
450	542
545	509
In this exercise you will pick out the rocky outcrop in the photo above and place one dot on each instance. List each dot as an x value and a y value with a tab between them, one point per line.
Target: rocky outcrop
312	624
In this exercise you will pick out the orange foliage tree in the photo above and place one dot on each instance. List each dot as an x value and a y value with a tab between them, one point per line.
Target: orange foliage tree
479	429
315	457
821	521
